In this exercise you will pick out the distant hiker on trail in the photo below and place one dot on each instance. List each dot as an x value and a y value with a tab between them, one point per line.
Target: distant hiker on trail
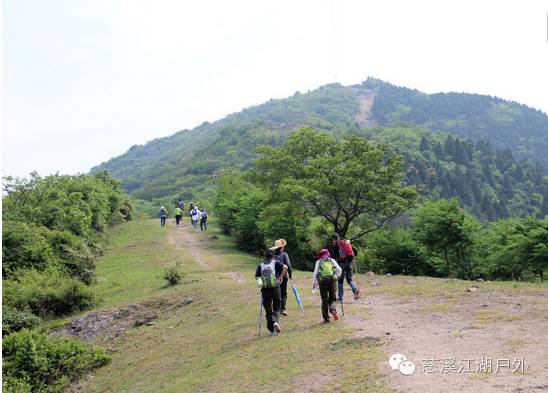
269	274
282	257
344	253
180	204
163	216
178	212
195	216
325	275
203	220
190	209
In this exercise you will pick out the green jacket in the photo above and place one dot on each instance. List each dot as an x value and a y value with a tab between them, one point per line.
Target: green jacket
177	211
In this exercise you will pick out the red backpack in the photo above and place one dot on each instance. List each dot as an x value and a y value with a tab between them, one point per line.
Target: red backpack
345	249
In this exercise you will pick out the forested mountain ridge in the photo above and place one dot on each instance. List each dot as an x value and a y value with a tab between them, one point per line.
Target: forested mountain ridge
495	156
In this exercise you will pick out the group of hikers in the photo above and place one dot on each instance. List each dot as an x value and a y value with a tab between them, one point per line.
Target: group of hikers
196	215
332	267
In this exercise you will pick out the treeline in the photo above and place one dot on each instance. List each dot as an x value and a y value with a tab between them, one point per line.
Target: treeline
443	240
314	185
490	183
52	231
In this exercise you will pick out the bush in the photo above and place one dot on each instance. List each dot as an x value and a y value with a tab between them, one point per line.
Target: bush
173	274
45	363
15	320
16	385
48	293
24	246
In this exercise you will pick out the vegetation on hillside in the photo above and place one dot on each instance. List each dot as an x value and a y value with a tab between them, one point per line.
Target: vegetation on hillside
307	189
53	229
455	151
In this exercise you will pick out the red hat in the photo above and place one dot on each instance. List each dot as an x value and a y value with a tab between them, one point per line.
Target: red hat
324	253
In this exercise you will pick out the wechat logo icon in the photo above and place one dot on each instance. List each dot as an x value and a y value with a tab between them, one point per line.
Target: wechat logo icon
400	362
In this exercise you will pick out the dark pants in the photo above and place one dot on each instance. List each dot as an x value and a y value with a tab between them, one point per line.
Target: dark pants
162	222
327	292
271	304
346	267
283	290
203	224
178	219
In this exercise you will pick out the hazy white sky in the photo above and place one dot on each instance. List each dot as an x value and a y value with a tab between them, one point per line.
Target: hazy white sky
82	81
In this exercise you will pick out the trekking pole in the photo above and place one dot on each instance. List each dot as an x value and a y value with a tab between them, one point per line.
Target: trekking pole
342	307
260	316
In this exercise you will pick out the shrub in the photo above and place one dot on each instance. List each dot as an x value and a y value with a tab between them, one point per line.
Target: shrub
15	320
173	274
46	363
24	246
48	293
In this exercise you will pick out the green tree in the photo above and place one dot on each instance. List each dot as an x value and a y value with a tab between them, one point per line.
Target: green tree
443	226
353	184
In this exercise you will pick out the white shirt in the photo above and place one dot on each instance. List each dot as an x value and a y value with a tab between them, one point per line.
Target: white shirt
317	269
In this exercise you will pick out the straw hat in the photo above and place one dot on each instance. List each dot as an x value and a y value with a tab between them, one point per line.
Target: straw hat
278	244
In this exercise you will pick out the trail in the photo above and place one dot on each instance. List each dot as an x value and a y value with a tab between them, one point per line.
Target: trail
448	331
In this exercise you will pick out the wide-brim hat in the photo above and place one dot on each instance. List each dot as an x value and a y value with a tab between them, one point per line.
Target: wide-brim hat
324	253
278	244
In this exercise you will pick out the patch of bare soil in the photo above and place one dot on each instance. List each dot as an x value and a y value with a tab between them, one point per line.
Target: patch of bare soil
364	118
479	341
114	323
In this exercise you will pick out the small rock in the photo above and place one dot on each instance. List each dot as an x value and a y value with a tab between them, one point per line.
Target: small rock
479	279
472	289
214	237
370	273
187	301
388	274
387	333
150	323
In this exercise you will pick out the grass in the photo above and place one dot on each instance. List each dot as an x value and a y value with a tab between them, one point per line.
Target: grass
212	344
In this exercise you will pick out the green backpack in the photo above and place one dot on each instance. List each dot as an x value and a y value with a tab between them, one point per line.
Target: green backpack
268	274
327	269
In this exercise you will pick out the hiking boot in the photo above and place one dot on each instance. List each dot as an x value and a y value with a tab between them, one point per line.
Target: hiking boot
357	294
277	328
326	320
335	315
272	334
284	313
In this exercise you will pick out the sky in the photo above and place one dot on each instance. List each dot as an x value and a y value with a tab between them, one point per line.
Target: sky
83	81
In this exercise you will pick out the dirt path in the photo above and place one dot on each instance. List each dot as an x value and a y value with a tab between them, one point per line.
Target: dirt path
449	338
448	333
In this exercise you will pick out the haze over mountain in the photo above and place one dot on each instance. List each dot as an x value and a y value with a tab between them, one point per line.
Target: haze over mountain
494	160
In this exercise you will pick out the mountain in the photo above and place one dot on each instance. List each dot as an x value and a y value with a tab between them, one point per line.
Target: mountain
471	139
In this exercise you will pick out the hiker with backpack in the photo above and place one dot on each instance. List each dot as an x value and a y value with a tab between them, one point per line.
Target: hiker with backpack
281	256
345	252
203	220
180	204
269	274
191	207
195	216
325	275
163	216
178	213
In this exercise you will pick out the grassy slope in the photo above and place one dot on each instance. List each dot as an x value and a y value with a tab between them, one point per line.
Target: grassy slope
212	345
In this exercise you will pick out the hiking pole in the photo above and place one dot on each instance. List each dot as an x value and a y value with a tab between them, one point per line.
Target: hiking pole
342	307
260	316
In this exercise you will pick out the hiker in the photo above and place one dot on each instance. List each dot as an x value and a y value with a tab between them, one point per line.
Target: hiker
195	216
203	220
178	212
180	204
344	253
325	275
191	207
281	256
269	274
163	216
